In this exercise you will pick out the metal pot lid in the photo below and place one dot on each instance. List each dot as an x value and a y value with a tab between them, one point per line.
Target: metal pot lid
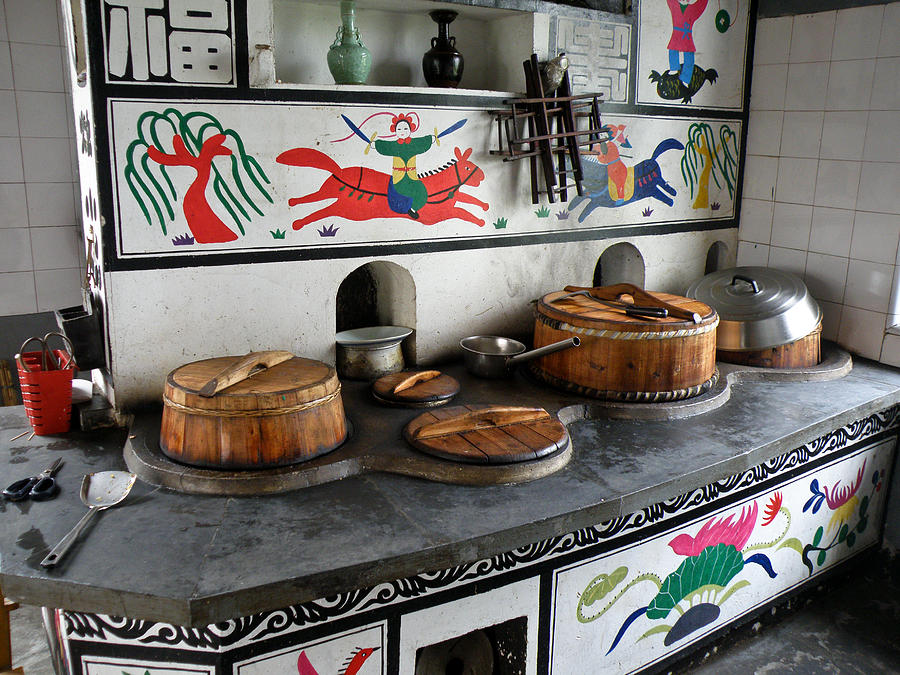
758	306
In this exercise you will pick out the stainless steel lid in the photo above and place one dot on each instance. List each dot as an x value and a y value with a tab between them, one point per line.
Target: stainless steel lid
758	307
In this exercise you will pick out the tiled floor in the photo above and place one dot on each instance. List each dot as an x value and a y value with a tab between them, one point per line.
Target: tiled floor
848	626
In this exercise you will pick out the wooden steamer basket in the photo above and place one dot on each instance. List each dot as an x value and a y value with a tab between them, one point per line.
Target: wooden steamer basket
262	410
627	356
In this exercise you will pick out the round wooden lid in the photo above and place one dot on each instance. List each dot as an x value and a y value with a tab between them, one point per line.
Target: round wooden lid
415	389
478	434
585	311
289	382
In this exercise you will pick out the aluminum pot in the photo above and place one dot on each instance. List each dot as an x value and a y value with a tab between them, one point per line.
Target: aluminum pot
492	356
758	307
368	353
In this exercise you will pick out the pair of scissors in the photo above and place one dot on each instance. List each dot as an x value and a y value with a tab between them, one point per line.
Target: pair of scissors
39	488
49	360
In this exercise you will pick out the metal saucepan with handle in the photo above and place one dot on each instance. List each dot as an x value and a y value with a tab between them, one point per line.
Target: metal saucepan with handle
492	356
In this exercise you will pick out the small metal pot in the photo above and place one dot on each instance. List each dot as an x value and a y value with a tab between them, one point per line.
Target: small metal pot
491	356
369	353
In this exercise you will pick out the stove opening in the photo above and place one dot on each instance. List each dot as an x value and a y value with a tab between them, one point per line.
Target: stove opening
716	257
620	263
379	293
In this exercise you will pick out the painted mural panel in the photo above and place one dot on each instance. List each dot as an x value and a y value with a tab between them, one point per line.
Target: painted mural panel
599	55
636	606
359	652
202	177
100	665
169	42
691	53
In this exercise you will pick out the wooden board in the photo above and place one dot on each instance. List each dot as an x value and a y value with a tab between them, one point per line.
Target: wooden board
435	389
487	434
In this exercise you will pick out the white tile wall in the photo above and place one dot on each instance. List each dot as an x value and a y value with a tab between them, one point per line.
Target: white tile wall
850	85
41	253
831	231
826	276
844	135
828	81
801	134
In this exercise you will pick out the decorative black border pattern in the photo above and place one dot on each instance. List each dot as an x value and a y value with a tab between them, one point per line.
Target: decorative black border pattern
267	624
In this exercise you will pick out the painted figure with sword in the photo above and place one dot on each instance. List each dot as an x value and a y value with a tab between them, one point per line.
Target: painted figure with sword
405	191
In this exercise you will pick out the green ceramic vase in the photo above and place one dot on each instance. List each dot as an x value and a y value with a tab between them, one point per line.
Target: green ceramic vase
348	58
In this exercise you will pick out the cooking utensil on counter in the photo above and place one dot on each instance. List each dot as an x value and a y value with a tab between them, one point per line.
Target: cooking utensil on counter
419	389
487	434
99	491
368	353
767	316
266	416
630	309
493	356
38	488
646	299
627	357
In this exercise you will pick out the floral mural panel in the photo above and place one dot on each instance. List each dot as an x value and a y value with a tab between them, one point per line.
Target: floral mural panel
205	177
638	605
691	53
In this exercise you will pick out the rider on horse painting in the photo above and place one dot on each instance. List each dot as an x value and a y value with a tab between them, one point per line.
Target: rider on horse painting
406	194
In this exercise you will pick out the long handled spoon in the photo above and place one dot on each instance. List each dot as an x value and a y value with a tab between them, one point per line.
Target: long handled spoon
99	491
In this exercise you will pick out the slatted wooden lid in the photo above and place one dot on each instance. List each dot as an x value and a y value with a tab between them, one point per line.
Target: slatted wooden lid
291	382
586	312
424	388
487	434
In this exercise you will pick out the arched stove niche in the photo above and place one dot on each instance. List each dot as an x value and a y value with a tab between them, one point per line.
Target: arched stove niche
716	257
620	263
379	293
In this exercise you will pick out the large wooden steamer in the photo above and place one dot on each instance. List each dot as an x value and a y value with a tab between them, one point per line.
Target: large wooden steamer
263	410
626	355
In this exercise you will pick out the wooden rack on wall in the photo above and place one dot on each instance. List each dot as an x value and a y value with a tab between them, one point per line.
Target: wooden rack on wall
552	132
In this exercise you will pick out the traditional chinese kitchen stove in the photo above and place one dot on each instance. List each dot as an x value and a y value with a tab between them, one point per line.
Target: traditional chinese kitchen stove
474	441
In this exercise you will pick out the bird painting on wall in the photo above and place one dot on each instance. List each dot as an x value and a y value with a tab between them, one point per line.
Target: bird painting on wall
350	667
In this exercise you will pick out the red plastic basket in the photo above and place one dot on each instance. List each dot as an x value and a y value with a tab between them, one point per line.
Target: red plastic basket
46	392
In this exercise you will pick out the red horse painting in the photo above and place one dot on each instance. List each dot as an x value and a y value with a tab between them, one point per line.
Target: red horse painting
361	193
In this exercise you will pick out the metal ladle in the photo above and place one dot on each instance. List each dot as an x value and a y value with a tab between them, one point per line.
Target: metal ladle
99	491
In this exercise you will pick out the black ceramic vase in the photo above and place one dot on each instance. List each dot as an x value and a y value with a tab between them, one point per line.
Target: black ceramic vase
442	64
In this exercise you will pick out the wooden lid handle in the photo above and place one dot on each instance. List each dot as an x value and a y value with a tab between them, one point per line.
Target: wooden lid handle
641	297
415	378
248	366
473	420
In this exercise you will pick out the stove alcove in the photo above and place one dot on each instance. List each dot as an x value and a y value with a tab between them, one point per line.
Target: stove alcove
379	293
620	263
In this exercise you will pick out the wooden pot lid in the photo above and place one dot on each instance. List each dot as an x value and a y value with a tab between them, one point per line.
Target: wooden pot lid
478	434
585	308
289	380
415	389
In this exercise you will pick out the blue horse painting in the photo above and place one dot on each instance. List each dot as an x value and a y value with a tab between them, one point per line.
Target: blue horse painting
609	183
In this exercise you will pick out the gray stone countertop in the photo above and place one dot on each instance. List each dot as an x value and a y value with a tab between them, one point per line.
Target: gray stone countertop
194	560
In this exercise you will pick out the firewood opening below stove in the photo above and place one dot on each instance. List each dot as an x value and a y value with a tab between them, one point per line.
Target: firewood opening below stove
501	649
